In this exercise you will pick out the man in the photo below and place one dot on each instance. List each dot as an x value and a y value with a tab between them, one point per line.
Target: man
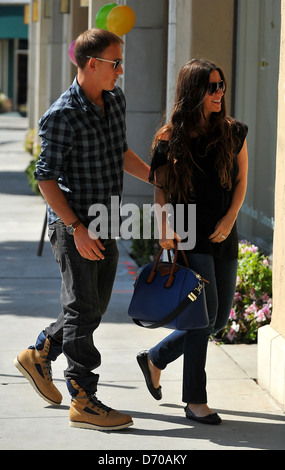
83	154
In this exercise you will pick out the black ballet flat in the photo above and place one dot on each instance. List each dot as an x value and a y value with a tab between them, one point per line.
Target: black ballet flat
142	361
212	418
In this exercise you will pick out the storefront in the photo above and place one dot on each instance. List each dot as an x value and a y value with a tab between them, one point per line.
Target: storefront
13	56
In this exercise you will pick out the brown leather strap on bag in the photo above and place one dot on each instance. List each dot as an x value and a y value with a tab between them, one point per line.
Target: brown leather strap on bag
170	279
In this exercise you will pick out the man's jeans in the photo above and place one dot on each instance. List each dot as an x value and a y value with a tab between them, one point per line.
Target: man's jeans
85	293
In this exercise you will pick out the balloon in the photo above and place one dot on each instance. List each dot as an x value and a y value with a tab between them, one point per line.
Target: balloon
71	52
121	20
101	17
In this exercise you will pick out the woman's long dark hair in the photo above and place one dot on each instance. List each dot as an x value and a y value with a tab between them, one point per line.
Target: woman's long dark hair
186	121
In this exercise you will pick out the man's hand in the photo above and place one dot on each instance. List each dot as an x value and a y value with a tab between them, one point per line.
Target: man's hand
89	248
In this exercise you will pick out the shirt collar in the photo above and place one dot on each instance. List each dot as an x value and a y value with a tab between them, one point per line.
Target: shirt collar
85	102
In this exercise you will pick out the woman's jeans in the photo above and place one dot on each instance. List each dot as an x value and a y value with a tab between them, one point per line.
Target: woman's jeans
85	293
221	275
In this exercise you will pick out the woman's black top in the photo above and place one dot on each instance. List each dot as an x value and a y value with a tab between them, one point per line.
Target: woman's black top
211	199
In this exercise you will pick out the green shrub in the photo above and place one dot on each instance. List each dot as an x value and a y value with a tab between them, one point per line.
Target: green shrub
252	306
34	149
145	250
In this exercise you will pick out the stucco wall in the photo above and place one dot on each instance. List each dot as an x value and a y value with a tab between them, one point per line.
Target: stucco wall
278	320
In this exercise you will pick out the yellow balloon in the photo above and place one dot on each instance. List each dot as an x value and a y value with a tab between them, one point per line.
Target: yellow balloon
121	20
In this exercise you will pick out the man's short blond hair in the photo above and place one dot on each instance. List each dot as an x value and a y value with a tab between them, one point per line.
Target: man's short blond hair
92	43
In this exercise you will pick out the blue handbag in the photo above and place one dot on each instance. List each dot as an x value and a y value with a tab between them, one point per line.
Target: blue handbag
169	295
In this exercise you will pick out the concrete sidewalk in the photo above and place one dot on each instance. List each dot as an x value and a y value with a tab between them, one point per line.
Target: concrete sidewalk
29	300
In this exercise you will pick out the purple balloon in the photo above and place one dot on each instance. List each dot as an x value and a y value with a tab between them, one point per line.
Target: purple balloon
71	52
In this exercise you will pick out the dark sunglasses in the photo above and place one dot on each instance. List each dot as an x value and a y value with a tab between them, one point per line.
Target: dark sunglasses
116	63
215	86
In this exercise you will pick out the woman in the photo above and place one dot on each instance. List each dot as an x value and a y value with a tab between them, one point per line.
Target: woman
200	157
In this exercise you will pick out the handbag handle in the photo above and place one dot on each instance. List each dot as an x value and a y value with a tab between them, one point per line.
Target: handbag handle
171	275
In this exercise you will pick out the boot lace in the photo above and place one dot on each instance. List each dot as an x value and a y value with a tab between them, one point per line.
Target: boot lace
46	363
46	367
47	370
97	403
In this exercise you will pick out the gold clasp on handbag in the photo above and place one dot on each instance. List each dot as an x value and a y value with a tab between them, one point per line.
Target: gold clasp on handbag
192	296
201	278
199	288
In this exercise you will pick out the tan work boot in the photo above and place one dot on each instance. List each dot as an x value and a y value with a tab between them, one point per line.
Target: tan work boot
35	366
88	412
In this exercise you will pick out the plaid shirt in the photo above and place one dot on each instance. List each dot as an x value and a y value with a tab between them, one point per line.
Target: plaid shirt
83	150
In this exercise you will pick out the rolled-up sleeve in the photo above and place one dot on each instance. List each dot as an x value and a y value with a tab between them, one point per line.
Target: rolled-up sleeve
56	143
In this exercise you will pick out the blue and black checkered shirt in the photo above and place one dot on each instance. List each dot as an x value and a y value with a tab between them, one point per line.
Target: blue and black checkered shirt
83	150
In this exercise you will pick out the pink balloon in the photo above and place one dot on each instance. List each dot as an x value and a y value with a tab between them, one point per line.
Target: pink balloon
71	52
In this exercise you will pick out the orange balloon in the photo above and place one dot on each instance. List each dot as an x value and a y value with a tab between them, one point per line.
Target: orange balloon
121	20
